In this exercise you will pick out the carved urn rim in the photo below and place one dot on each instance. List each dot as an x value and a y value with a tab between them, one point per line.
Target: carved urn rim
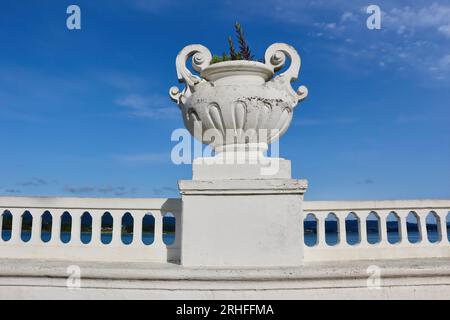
274	60
222	69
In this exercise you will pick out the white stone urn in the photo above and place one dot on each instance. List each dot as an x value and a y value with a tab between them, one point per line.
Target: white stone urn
241	99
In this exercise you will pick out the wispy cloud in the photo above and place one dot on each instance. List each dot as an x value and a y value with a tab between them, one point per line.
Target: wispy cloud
13	191
78	190
435	116
34	94
154	6
117	191
348	16
144	158
366	181
149	106
412	118
25	185
413	18
323	122
121	80
413	37
165	191
107	190
35	182
445	30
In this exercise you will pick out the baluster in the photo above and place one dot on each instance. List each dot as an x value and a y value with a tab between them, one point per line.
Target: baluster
177	242
56	227
117	228
403	226
383	229
2	211
96	227
363	240
158	215
423	226
35	227
442	225
16	225
342	229
321	231
75	237
138	217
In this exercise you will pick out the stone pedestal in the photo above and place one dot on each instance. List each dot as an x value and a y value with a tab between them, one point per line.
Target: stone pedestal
253	221
240	208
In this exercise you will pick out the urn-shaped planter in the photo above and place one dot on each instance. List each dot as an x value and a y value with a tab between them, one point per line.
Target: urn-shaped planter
240	104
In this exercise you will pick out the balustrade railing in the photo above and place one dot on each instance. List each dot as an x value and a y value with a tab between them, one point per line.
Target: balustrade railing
150	229
90	229
360	230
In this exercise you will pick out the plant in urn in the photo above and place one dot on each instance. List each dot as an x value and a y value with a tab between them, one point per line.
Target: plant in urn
238	106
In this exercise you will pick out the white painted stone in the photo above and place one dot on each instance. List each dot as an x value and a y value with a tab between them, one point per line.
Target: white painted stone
241	208
400	279
212	169
383	250
117	251
242	222
95	250
239	232
241	99
329	272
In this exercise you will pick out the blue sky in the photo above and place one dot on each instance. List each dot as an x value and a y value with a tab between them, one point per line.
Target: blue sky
86	112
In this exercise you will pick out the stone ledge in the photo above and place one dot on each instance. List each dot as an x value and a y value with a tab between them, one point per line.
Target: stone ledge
243	186
411	279
174	272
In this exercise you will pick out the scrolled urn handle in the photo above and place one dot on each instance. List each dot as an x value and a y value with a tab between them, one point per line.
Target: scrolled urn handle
201	58
275	58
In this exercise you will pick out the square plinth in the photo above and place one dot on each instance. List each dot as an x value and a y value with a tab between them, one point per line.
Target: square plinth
229	223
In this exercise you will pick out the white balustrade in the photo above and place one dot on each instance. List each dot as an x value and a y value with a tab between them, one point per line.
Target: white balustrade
93	250
86	240
383	249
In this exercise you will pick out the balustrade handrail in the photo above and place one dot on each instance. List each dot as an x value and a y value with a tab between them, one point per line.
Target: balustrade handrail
165	204
175	204
373	205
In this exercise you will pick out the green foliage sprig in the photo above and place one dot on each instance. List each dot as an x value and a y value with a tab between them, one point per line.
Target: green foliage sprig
244	50
243	46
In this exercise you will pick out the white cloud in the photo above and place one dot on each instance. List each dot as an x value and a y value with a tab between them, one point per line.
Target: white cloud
348	16
411	38
166	191
107	190
305	122
445	30
435	16
143	158
153	6
444	62
121	81
149	106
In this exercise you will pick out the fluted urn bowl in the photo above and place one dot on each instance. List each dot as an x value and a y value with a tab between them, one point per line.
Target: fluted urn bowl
237	103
